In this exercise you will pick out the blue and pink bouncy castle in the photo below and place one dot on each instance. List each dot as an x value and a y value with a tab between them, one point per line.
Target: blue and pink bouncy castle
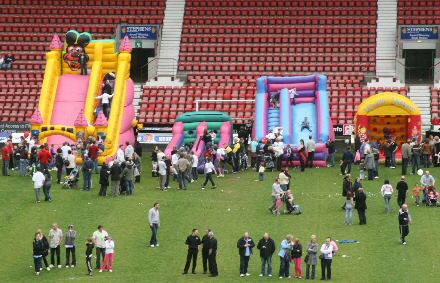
299	105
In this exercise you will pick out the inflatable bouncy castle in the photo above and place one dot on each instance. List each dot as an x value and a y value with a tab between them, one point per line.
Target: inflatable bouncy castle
388	114
299	106
190	127
72	80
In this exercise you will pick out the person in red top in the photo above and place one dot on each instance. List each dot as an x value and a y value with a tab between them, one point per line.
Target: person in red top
6	152
44	157
93	154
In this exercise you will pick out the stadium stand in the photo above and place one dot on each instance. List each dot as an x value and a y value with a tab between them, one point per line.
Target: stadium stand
226	45
27	29
418	12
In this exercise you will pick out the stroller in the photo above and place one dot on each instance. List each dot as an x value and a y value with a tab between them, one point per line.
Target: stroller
71	181
269	162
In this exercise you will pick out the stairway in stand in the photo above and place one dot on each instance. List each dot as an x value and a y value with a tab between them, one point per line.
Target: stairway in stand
386	37
421	95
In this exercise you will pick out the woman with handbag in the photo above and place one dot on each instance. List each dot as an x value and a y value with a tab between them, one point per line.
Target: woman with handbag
285	254
311	258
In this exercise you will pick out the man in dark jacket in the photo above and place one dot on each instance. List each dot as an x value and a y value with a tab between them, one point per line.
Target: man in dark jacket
361	205
103	179
347	160
404	221
205	251
87	171
402	188
59	164
115	175
212	254
245	245
347	186
193	242
267	247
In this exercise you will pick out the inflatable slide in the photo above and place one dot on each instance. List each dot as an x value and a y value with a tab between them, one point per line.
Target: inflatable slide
190	127
297	105
68	101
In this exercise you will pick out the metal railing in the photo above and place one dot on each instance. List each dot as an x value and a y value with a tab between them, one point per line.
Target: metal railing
152	67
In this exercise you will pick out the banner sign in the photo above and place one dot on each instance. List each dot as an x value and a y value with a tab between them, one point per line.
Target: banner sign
12	129
139	32
418	32
343	130
154	138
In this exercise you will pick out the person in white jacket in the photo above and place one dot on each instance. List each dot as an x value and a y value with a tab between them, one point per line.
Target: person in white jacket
109	254
38	179
387	193
326	259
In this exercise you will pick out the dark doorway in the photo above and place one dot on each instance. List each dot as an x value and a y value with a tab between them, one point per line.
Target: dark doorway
139	64
418	65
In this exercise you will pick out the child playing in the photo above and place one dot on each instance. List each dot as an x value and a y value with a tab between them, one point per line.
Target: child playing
109	254
278	204
416	193
70	246
89	253
261	170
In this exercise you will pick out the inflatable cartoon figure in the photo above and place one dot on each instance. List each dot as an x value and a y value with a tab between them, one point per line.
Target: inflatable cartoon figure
75	55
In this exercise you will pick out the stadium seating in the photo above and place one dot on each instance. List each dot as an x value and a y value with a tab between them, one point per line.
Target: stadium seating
226	45
416	12
27	30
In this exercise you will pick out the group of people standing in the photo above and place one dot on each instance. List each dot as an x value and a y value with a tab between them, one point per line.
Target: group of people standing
42	246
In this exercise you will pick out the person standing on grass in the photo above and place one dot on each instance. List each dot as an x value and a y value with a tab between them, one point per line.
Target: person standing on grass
347	186
99	242
267	247
387	193
406	156
285	256
349	209
284	180
6	152
103	179
38	179
55	239
245	245
24	156
70	246
44	157
212	254
311	148
347	161
93	155
115	176
192	241
276	191
209	168
128	175
427	181
38	249
109	254
89	255
402	188
87	173
47	185
205	251
302	153
194	165
45	249
71	162
332	152
154	220
369	164
129	150
361	205
182	167
297	258
326	259
311	257
59	164
162	171
404	221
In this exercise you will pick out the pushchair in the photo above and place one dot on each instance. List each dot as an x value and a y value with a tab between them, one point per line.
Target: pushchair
270	165
71	181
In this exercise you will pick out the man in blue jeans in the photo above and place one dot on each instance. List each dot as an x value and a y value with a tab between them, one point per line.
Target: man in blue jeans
245	245
267	247
154	220
87	171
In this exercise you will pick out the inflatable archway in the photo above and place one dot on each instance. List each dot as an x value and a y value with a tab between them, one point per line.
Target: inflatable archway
388	114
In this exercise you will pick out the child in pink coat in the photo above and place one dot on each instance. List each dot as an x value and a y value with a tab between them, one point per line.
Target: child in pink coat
109	254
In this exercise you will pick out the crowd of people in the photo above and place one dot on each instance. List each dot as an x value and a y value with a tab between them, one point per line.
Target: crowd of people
30	158
42	247
291	250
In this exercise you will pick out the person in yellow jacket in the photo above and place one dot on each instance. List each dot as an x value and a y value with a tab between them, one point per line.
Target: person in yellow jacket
236	155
